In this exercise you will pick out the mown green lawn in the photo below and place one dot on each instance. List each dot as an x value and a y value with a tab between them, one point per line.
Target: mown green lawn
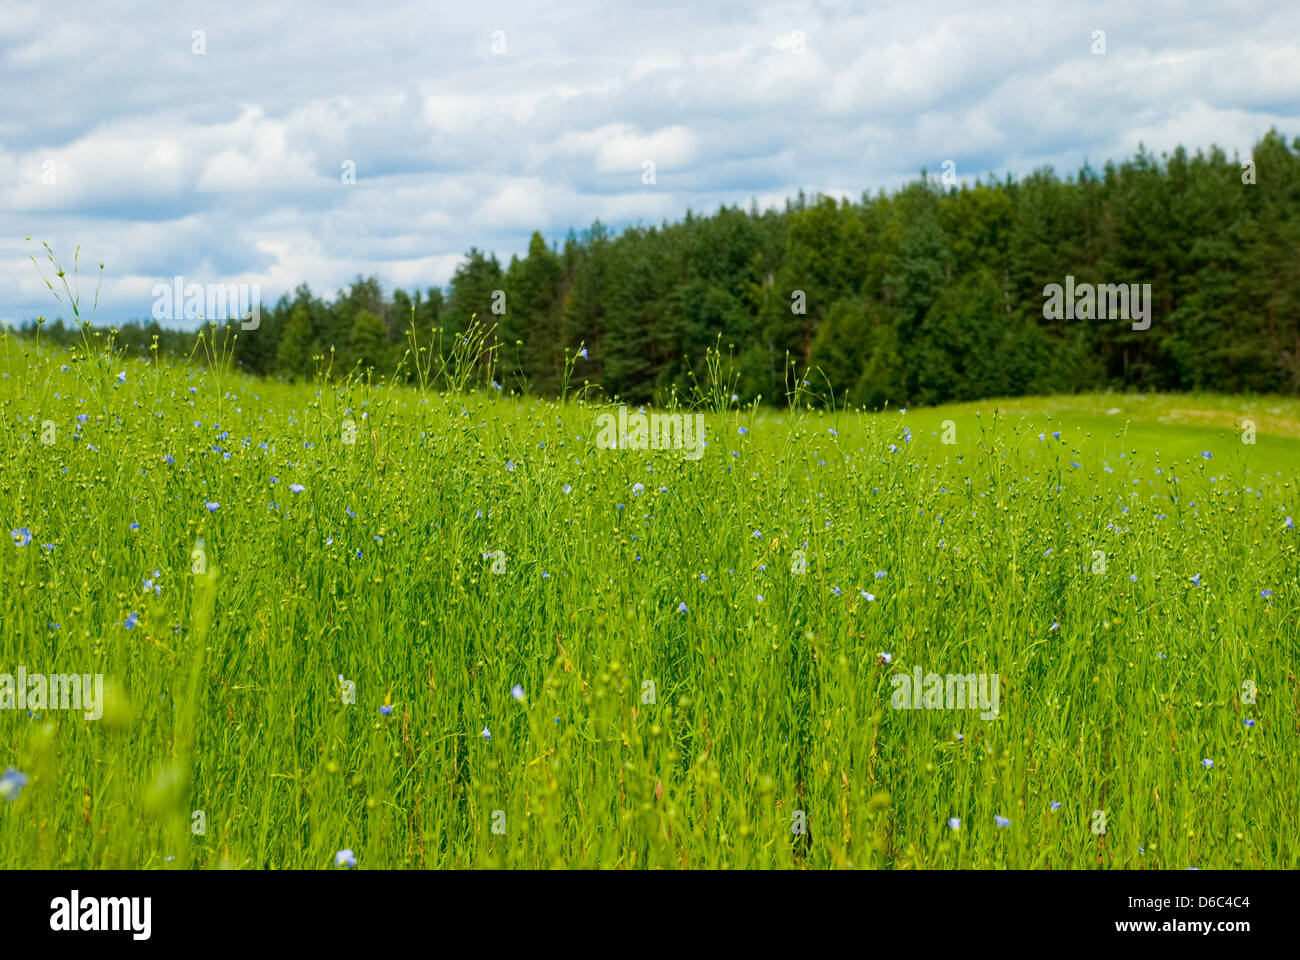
650	682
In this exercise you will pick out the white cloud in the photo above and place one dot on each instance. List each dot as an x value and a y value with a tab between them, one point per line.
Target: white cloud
623	151
226	166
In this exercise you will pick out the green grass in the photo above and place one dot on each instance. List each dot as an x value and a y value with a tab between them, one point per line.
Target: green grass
225	696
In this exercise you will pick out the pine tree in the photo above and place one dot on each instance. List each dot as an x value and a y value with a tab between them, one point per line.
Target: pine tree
293	359
368	343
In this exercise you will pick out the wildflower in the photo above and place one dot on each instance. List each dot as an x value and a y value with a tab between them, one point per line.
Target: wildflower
1207	763
1056	434
566	488
346	859
954	823
22	536
880	574
517	692
386	709
1248	722
869	597
213	506
486	734
131	620
583	353
1266	593
760	598
886	658
836	591
296	487
11	783
1206	454
1196	580
1056	804
510	465
121	377
1001	822
168	458
638	489
135	526
742	430
681	607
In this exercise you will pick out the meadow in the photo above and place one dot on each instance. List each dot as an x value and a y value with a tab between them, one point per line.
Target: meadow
442	629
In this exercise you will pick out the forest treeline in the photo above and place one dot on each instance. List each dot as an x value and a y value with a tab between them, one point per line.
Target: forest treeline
927	294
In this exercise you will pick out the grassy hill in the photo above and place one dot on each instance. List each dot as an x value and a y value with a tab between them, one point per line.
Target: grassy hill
305	647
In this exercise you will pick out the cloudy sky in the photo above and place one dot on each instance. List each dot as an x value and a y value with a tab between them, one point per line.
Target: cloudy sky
473	124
